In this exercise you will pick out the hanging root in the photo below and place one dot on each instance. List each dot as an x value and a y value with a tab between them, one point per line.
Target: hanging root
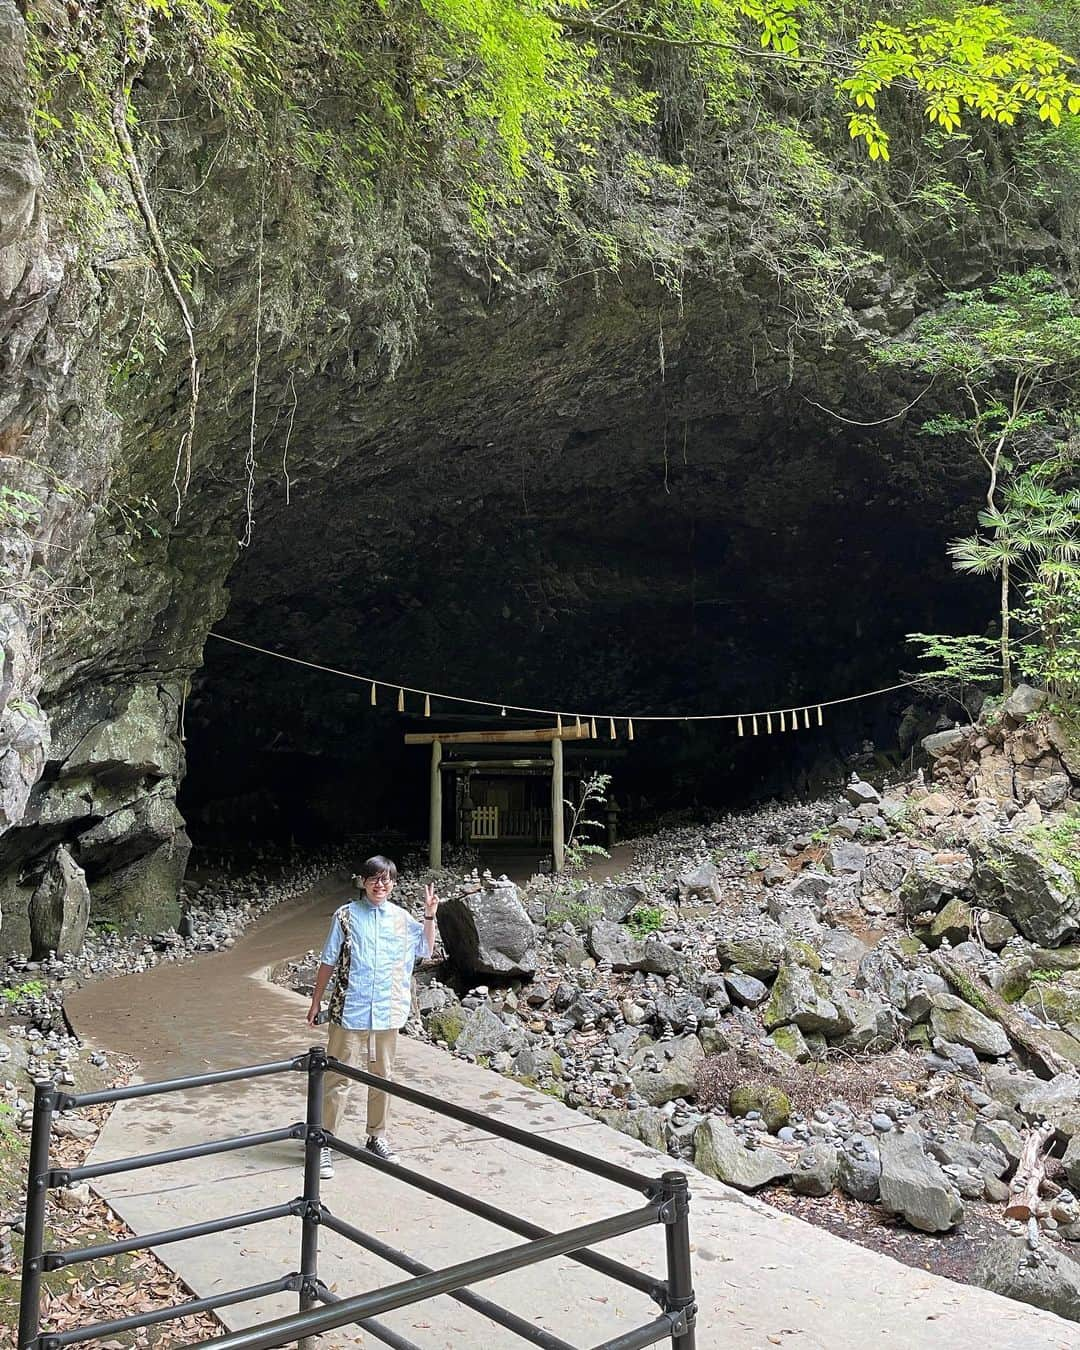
182	470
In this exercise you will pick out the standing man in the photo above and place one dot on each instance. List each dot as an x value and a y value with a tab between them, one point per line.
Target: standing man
371	948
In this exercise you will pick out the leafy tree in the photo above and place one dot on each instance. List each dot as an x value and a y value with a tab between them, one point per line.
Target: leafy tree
577	849
1012	352
954	668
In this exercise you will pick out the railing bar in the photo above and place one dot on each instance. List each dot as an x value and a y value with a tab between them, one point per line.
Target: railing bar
192	1230
176	1084
623	1176
149	1319
284	1330
379	1330
171	1155
503	1316
603	1265
649	1334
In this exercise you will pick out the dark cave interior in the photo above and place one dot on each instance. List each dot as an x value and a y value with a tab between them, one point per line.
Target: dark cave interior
733	566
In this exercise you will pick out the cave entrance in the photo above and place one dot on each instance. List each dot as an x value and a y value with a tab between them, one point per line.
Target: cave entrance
499	790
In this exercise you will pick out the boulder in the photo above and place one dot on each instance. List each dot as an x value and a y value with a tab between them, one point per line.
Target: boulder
877	1027
59	908
610	901
805	999
1071	1162
791	1042
487	932
745	991
770	1102
1032	889
995	930
649	1125
817	1169
845	858
952	924
858	1169
1049	793
859	793
659	958
914	1186
760	956
952	1019
612	942
944	742
719	1152
999	1135
483	1033
1024	700
702	884
1057	1101
445	1024
1055	1000
930	884
1043	1276
667	1070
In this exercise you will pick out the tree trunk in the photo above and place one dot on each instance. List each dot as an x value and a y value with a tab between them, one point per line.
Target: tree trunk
1006	660
974	990
1030	1172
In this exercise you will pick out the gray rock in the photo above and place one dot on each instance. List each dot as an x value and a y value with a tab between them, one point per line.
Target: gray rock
760	955
702	884
483	1033
943	742
954	1020
667	1070
648	1125
811	886
1035	892
858	1170
1057	1101
659	958
1001	1136
610	901
805	999
817	1169
1043	1277
790	1041
745	991
914	1186
59	908
613	943
568	949
859	793
877	1027
136	741
1071	1162
487	932
988	1161
718	1152
1024	700
1050	792
845	858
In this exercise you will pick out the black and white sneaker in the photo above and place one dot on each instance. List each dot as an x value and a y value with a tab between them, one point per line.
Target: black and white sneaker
377	1144
326	1164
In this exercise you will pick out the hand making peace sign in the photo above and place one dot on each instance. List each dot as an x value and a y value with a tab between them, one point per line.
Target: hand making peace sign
431	901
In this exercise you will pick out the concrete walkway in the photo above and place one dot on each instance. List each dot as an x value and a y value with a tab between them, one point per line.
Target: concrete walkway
763	1278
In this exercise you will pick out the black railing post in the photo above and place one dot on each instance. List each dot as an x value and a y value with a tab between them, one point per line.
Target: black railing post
680	1272
37	1191
313	1144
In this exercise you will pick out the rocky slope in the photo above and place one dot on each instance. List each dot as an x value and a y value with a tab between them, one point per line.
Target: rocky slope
875	998
381	388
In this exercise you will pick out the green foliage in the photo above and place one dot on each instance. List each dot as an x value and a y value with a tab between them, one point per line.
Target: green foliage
577	849
976	61
646	919
955	666
568	910
754	859
28	989
1012	352
18	510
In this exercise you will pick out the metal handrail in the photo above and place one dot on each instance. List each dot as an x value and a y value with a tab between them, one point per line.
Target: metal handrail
667	1203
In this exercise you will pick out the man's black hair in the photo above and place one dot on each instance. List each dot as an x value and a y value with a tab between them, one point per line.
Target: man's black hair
378	867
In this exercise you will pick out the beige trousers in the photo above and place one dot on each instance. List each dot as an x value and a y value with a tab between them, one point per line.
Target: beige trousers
373	1051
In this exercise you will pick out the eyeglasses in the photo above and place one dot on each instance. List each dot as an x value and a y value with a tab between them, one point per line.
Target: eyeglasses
380	881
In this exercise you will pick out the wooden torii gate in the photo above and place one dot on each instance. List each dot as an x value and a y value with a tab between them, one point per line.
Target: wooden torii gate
554	735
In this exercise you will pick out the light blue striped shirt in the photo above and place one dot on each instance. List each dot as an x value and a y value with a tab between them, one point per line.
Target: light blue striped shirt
374	948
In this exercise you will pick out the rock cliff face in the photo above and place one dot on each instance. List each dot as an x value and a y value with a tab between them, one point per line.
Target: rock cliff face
570	483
